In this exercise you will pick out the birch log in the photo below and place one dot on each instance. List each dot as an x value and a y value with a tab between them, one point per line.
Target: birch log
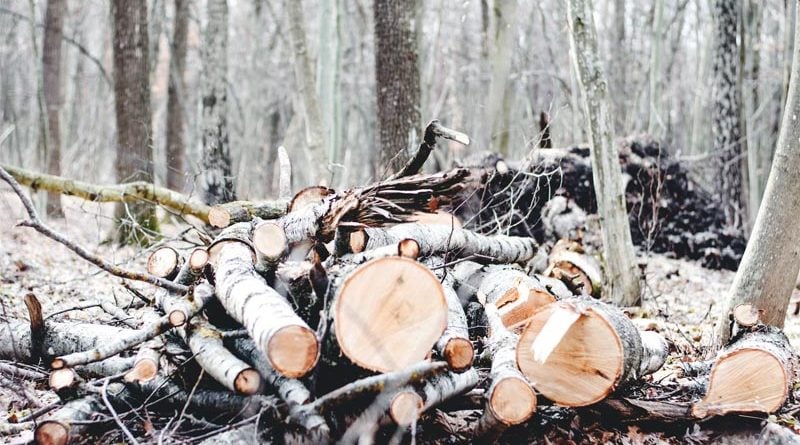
755	373
577	351
622	285
68	423
516	295
285	339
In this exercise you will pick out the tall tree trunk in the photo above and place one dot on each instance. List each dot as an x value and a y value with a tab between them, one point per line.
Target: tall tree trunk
727	123
133	114
499	99
620	61
655	68
771	261
329	67
218	183
304	74
751	50
622	285
51	65
176	147
396	82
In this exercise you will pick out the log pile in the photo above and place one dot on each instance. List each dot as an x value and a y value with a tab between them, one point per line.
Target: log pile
340	321
551	196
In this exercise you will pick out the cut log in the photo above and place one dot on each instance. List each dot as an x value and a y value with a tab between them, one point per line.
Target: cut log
205	343
746	315
68	422
581	364
755	373
454	346
388	313
60	338
309	196
580	272
164	262
193	268
516	295
179	309
145	366
453	242
270	244
224	215
510	400
285	339
405	407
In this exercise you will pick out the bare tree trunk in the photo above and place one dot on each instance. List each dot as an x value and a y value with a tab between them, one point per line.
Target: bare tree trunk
729	147
655	68
176	148
396	82
622	285
499	99
771	261
620	61
51	65
304	74
218	183
132	101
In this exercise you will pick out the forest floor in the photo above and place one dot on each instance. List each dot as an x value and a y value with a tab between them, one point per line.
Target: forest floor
682	300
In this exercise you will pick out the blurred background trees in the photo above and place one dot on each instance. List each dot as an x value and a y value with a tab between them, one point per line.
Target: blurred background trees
330	81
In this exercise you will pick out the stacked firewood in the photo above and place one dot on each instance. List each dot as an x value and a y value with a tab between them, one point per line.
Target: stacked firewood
341	315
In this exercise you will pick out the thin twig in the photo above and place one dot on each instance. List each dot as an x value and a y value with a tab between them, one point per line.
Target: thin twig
104	393
37	224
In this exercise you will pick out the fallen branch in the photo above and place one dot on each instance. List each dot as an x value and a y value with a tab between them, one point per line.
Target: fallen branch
37	224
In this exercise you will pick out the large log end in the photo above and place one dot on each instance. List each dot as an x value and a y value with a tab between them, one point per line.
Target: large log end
584	367
512	401
389	313
51	432
405	407
293	350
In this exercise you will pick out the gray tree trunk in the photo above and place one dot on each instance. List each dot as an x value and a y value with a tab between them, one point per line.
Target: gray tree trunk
622	284
499	99
729	146
304	74
134	160
620	61
51	66
771	261
217	175
396	82
176	147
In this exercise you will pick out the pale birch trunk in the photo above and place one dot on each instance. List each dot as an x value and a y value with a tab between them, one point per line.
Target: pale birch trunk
499	99
622	284
304	76
771	261
51	66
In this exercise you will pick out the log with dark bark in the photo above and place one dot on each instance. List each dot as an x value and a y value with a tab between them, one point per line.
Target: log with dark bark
755	373
578	351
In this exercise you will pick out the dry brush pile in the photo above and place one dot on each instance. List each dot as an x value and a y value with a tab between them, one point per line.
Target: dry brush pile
336	317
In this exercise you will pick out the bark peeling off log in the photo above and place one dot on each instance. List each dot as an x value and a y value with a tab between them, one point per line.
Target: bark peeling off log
516	295
389	313
288	343
600	351
754	373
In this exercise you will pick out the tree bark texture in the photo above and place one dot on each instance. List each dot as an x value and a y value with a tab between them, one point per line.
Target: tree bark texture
51	67
133	112
176	146
727	128
622	285
218	186
771	260
396	81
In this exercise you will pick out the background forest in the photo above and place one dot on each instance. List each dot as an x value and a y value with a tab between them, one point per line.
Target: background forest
489	68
